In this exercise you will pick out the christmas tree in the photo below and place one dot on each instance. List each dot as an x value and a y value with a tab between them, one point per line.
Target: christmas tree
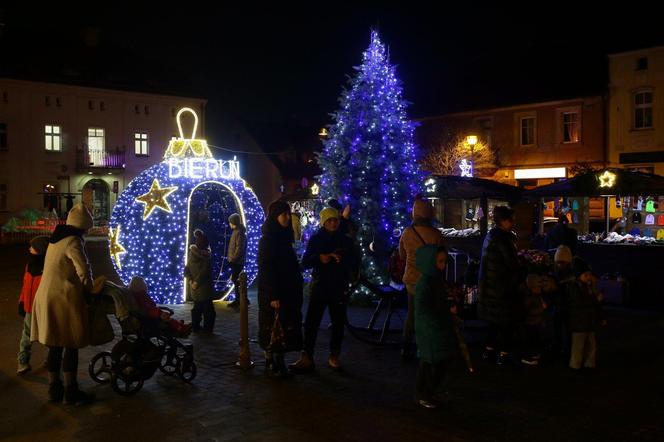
369	157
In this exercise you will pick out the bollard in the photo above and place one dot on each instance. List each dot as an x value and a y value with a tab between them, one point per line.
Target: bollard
244	360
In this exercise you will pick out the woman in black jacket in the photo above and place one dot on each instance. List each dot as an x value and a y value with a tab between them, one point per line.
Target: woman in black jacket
499	278
279	286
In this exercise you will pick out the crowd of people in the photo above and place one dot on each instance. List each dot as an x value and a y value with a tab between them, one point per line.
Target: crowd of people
58	276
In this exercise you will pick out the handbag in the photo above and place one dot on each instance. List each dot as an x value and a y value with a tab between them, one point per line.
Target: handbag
277	339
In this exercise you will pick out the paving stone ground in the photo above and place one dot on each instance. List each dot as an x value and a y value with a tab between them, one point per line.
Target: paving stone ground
371	399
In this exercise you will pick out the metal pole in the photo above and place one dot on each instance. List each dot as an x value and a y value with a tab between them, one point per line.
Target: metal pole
606	214
244	360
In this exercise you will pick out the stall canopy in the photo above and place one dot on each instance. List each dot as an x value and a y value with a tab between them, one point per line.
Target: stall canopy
606	182
456	187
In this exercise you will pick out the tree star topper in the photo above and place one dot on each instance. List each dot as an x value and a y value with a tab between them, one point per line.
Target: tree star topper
156	197
607	179
115	246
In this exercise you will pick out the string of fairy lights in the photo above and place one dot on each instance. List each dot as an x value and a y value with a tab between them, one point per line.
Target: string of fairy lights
151	227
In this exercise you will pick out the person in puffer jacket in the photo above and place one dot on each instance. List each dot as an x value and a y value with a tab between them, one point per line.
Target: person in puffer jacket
237	252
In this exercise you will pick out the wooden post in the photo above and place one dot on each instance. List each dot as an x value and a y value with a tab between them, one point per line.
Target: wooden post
244	360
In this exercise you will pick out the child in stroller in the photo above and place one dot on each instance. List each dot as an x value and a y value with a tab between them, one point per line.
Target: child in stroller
149	341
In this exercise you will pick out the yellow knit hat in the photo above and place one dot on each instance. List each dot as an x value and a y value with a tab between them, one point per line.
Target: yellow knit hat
327	213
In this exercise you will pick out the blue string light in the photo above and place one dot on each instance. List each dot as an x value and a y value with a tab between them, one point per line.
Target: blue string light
369	159
155	247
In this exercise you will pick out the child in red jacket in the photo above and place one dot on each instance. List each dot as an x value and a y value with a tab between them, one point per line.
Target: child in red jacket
139	290
31	278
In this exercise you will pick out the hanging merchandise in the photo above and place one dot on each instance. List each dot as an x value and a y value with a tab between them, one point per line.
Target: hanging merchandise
647	233
660	234
639	203
575	205
477	211
660	220
636	218
470	213
576	218
650	219
618	202
635	231
569	217
480	213
650	206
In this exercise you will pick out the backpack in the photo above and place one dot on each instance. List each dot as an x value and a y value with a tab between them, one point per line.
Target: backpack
396	267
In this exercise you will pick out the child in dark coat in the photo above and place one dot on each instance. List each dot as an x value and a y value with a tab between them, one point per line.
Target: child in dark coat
584	316
531	291
31	278
198	272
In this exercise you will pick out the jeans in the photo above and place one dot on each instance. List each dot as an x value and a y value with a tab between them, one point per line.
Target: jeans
25	346
429	378
584	350
335	303
205	310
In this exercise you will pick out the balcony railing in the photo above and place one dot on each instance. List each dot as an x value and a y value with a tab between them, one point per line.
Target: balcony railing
102	159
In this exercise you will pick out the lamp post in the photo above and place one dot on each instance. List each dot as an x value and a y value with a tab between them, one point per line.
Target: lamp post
471	140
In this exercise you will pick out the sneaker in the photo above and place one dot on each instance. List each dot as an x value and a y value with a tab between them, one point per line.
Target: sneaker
532	361
333	362
56	391
74	396
23	368
427	404
305	363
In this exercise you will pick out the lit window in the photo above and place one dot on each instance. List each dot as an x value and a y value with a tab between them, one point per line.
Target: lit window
52	138
96	139
141	143
570	127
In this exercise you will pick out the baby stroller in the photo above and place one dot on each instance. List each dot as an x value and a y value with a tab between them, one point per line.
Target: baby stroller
145	347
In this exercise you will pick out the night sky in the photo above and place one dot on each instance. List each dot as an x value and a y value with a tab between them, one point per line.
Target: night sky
286	65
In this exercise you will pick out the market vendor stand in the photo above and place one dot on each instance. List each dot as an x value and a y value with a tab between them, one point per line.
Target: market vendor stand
624	244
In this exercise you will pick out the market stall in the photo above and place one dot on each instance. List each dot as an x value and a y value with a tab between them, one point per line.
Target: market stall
463	208
619	216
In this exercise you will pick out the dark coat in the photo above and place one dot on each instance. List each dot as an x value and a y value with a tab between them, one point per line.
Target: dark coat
499	278
332	277
199	269
433	320
279	278
583	307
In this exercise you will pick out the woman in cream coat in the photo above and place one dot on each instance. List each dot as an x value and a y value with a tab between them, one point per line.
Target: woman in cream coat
59	318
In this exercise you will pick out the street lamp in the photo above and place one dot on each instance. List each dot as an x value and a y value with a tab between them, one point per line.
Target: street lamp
471	140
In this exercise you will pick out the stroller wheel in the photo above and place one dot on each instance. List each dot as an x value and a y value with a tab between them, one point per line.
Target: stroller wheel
126	385
169	364
100	367
186	370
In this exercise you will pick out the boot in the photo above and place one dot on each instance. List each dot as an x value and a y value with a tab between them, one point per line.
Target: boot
305	363
74	396
333	361
56	390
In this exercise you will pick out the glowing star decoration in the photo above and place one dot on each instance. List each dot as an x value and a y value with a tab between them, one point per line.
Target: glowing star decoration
115	246
315	189
155	198
607	179
466	168
193	191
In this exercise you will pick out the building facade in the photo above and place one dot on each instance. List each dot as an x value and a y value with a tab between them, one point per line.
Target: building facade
533	143
636	110
61	144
